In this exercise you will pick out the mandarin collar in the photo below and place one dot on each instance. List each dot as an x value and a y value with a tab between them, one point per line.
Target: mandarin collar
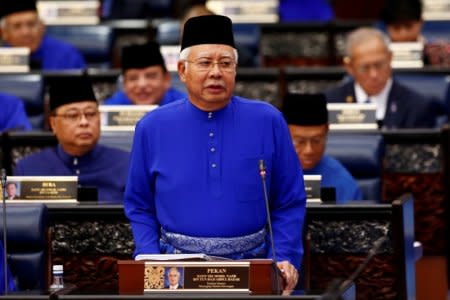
205	115
81	160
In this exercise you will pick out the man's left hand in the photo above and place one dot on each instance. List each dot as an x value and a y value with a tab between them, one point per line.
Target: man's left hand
290	276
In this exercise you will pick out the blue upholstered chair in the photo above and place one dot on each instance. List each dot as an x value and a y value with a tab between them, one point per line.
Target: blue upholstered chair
30	88
27	245
362	155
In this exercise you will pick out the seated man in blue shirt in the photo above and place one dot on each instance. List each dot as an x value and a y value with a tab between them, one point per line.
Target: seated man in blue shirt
12	114
307	117
21	27
194	185
145	78
75	120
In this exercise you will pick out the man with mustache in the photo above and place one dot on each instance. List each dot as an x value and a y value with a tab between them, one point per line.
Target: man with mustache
145	78
194	185
75	120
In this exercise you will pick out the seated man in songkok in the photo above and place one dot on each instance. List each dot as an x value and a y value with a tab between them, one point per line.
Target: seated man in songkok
307	118
22	27
145	78
75	120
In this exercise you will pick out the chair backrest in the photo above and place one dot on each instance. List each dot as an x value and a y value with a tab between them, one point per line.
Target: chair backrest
29	88
435	86
362	155
94	41
28	245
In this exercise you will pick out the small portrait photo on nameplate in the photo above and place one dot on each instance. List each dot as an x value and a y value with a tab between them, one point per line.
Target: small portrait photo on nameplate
312	188
189	276
122	117
42	188
352	116
14	59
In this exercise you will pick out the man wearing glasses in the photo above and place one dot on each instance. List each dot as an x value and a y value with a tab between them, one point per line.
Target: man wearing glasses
75	120
194	185
307	118
21	27
368	61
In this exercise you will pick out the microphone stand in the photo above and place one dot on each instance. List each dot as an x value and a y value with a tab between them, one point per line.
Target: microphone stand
5	250
262	173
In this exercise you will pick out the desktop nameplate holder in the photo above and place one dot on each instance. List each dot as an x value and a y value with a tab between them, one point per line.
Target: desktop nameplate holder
171	54
198	273
69	12
54	189
312	188
122	117
352	116
14	59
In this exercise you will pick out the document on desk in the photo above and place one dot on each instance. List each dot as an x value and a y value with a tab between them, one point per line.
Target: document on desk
182	257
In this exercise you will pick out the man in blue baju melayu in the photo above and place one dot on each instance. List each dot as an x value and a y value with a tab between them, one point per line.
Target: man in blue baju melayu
307	118
21	27
75	120
194	184
145	78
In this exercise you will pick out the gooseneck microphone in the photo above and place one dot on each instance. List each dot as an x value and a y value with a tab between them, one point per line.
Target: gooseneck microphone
262	173
5	250
337	287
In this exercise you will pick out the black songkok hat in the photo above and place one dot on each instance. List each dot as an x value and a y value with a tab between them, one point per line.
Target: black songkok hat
69	89
305	109
142	56
210	29
401	10
8	7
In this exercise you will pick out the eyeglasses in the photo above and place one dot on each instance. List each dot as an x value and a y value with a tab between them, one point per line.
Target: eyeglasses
378	66
314	141
75	116
225	65
29	24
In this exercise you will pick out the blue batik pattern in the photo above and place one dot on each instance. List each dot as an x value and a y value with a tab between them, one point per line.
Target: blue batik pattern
243	247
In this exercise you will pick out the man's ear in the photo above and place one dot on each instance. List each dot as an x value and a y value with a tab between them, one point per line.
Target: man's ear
52	123
181	66
348	64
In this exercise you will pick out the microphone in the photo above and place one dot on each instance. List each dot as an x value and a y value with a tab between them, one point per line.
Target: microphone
5	250
262	173
337	287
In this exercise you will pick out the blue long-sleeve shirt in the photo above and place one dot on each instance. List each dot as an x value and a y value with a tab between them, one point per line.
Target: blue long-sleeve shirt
103	167
12	113
120	98
335	175
196	173
58	55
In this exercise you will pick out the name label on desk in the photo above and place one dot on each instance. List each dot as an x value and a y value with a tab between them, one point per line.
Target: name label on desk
312	188
69	12
42	188
14	59
352	116
122	117
188	276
